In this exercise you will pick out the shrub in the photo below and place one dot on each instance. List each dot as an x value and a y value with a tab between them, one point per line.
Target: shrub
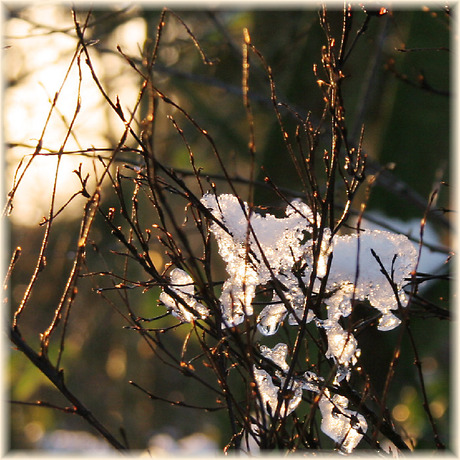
261	282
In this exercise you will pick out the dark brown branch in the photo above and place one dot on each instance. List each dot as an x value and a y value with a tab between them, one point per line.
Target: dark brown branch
56	377
175	403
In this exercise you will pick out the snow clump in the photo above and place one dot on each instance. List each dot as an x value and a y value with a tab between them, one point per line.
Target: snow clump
182	285
277	253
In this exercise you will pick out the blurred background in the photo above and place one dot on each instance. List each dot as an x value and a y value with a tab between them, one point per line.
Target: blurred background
397	84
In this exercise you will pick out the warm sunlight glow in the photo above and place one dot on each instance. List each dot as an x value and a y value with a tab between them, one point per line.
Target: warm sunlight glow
36	64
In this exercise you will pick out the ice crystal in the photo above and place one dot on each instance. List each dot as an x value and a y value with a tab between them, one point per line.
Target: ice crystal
182	285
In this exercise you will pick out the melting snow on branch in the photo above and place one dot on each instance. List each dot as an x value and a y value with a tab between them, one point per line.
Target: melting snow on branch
397	255
269	251
277	355
271	394
256	249
344	426
259	248
182	285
